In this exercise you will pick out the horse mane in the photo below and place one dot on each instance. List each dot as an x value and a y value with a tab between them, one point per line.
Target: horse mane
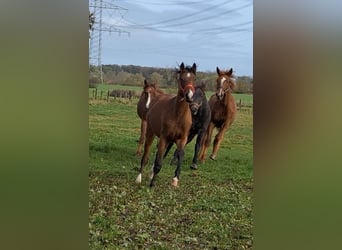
201	86
159	91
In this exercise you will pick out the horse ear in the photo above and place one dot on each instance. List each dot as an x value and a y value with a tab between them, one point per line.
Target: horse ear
218	70
145	82
194	67
182	66
230	72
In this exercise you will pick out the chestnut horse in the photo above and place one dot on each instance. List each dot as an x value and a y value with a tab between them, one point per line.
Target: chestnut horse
170	120
223	112
148	97
201	114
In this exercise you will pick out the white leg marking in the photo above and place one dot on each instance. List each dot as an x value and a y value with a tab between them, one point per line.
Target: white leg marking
148	101
138	179
174	182
152	173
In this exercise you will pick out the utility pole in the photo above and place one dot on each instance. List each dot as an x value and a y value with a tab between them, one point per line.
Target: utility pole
97	10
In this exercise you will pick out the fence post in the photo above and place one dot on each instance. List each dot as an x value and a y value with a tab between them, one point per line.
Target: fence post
240	105
101	95
108	96
95	93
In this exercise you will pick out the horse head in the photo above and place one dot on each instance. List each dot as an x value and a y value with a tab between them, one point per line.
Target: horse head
197	99
224	83
149	91
186	81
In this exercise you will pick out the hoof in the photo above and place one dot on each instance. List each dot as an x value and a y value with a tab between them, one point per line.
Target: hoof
212	157
174	182
194	166
138	179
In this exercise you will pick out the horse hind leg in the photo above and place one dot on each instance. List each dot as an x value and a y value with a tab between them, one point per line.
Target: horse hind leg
174	158
158	161
142	136
145	157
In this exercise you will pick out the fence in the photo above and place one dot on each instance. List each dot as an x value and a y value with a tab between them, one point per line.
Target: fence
116	93
132	95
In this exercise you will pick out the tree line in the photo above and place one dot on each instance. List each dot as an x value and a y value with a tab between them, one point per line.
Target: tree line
134	75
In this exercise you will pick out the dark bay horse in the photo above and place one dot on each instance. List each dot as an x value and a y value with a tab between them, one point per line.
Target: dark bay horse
201	114
223	112
148	97
170	120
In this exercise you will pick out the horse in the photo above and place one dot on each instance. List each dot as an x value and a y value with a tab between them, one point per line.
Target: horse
223	112
148	97
170	120
201	114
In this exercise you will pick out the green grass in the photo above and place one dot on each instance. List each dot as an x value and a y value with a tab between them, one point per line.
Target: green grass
211	208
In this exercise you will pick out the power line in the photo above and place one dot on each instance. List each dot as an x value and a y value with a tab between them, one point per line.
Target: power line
158	27
188	15
164	3
208	17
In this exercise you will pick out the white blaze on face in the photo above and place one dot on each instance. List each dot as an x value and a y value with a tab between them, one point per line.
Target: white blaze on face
188	75
148	101
190	94
223	79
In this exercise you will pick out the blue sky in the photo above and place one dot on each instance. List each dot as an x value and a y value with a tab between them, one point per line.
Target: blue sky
164	33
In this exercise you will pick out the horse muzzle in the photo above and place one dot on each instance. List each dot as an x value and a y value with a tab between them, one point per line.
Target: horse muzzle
194	108
189	96
189	91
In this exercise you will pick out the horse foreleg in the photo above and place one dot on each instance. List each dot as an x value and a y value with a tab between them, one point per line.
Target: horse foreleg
142	137
180	157
144	159
219	138
158	160
206	142
199	138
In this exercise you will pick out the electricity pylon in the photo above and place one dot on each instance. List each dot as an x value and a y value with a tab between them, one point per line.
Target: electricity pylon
98	10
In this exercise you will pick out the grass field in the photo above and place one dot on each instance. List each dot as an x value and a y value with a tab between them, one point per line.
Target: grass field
211	208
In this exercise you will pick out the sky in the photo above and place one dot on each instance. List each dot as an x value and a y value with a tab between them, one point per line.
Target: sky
165	33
